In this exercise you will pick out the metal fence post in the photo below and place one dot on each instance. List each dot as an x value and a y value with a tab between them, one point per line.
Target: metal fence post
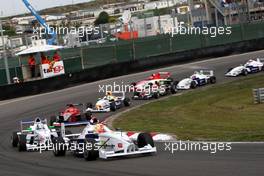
81	54
258	95
170	44
133	50
5	56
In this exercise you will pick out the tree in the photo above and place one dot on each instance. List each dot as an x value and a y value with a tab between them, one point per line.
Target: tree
8	30
103	18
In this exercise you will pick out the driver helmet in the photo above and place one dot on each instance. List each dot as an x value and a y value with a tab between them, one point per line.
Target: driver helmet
39	125
109	93
71	105
94	121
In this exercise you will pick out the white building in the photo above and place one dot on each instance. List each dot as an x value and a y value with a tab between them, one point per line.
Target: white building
5	40
151	26
162	4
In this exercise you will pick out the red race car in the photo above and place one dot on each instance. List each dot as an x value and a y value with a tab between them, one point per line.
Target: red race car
71	114
157	84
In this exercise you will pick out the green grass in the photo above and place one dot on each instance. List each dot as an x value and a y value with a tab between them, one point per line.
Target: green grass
224	112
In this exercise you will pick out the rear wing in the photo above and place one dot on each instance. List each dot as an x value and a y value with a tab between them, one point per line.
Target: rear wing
164	75
75	104
260	60
63	132
123	94
69	124
207	72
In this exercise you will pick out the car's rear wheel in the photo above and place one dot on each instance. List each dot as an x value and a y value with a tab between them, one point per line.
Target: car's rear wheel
88	115
156	95
89	105
112	106
15	139
170	79
127	101
59	148
144	139
90	153
174	87
22	143
213	80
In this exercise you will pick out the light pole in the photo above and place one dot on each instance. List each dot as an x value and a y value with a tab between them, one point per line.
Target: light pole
4	50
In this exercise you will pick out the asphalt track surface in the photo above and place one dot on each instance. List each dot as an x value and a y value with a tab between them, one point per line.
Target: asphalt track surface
244	158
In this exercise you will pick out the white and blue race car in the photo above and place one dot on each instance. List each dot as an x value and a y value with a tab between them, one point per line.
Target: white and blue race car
199	78
252	66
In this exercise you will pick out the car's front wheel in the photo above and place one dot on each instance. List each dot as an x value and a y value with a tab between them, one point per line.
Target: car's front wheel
90	153
193	85
22	143
15	139
245	72
144	139
59	146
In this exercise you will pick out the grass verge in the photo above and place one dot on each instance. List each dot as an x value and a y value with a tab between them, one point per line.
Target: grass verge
224	112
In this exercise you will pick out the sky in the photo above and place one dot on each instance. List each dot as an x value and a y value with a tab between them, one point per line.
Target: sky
14	7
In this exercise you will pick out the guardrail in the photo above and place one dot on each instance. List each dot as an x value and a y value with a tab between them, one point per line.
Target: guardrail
258	95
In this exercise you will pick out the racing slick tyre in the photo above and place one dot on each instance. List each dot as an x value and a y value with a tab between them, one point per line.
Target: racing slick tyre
156	95
90	153
193	85
88	116
144	139
112	106
53	119
174	87
212	80
59	148
127	101
89	105
244	72
170	79
14	139
22	143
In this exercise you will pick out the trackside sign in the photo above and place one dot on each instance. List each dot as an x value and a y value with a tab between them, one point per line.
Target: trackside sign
52	69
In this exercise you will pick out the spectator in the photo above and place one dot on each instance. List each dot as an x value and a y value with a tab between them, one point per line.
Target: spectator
16	80
44	59
56	57
32	65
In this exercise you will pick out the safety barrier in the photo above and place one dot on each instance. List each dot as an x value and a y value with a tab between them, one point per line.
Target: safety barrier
258	95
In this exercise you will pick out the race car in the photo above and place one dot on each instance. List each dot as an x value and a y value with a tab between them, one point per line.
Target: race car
98	141
37	135
72	114
111	102
199	78
252	66
156	85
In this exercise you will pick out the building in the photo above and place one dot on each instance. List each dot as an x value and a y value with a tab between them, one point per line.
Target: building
152	26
